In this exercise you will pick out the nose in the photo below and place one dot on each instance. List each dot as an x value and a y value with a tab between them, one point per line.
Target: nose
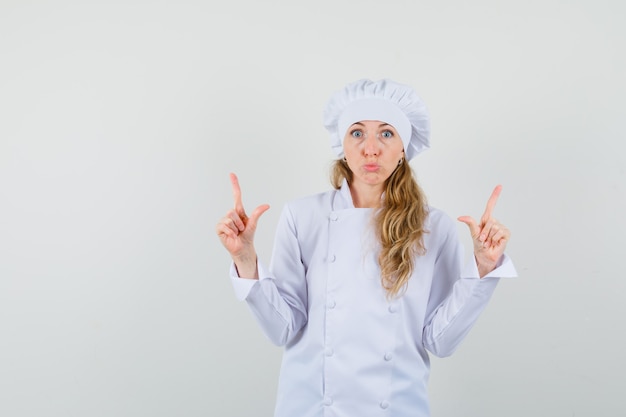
371	147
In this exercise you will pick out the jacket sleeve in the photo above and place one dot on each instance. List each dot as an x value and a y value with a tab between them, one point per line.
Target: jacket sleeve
278	299
457	297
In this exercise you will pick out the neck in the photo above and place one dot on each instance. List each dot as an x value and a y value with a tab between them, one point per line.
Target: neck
366	196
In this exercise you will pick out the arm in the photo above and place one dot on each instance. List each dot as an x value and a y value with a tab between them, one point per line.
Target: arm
457	296
457	299
278	299
279	309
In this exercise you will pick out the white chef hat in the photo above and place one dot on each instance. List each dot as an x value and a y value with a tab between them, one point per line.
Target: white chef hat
384	100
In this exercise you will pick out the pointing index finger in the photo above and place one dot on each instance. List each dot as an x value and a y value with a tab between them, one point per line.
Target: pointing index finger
491	203
236	193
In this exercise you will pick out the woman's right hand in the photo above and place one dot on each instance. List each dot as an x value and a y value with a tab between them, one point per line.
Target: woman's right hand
236	231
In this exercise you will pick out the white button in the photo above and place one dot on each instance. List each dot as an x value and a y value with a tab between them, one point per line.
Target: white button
328	401
334	217
388	356
393	308
329	351
384	404
332	258
331	304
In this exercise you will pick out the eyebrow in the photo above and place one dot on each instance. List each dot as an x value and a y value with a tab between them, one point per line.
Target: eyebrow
380	125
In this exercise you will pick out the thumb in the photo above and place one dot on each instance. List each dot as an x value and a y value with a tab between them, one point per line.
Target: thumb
471	223
254	217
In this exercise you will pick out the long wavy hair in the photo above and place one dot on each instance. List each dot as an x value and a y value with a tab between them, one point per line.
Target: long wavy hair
398	222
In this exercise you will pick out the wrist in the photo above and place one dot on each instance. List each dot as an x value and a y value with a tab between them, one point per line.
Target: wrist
246	266
244	258
484	269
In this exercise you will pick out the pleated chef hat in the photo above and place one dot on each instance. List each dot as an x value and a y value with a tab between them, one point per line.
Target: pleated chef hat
384	100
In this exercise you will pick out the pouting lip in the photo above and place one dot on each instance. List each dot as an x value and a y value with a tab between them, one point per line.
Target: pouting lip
371	167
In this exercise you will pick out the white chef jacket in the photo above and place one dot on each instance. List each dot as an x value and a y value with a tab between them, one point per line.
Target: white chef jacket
349	351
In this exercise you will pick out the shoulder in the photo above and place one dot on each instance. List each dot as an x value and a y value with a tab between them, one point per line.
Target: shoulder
310	202
439	226
438	219
309	208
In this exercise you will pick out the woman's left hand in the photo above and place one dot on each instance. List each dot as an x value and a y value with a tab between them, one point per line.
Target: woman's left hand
489	236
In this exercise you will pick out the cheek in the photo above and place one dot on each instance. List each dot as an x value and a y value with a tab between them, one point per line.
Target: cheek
348	148
400	149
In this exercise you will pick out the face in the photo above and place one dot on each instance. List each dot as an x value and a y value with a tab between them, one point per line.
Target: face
373	150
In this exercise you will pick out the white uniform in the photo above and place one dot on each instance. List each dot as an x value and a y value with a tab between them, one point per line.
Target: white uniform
349	351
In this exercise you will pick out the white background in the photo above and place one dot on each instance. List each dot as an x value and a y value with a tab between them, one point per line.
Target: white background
119	124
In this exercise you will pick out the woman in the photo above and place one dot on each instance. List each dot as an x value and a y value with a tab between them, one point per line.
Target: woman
366	278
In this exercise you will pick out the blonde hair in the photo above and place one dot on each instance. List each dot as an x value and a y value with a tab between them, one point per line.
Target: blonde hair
399	224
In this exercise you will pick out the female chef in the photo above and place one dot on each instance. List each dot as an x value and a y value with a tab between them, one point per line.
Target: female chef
366	278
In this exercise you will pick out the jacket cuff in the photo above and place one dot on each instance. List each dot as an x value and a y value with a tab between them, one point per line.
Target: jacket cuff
243	286
504	269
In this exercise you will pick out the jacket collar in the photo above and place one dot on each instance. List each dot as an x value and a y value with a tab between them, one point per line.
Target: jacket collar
343	198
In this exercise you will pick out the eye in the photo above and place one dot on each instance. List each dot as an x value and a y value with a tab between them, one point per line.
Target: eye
386	134
356	133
